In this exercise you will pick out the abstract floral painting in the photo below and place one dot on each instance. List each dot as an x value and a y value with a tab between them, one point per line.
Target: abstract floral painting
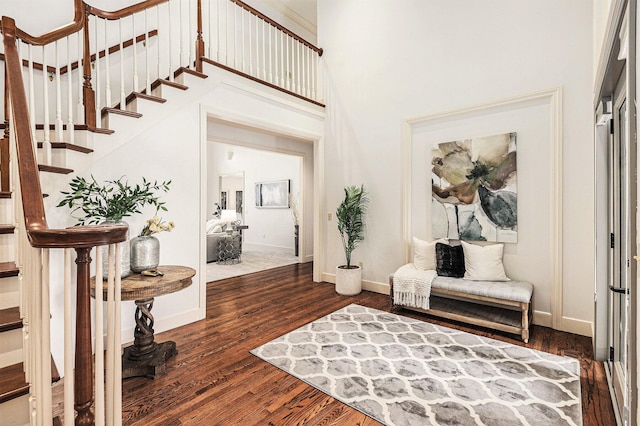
473	187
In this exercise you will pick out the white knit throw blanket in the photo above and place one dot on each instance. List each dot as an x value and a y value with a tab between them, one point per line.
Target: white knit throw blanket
412	286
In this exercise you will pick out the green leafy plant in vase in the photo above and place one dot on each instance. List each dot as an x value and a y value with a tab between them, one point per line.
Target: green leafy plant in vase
350	216
93	203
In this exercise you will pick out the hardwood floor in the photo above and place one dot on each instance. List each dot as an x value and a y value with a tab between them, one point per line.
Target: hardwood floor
214	380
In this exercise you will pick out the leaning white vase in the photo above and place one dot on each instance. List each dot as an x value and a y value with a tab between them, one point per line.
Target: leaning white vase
125	259
348	281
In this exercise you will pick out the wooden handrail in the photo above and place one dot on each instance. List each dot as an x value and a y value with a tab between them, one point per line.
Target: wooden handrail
73	27
278	26
124	12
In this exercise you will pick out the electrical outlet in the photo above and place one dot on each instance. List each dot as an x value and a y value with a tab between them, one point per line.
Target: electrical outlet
329	216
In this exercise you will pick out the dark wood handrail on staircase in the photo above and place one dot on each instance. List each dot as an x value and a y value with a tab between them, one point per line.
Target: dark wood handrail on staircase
82	239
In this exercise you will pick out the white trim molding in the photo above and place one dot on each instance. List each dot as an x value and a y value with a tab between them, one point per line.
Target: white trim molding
553	97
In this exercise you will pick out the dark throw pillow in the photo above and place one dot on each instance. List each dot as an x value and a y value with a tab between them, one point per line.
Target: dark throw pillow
449	260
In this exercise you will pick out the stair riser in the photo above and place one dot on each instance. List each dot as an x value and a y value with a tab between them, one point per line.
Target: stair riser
191	81
15	412
9	292
66	158
7	247
80	137
11	348
6	211
145	107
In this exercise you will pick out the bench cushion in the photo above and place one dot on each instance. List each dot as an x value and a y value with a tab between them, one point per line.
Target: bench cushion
516	291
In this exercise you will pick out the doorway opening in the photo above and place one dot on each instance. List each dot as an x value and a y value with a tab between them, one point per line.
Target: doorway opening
268	181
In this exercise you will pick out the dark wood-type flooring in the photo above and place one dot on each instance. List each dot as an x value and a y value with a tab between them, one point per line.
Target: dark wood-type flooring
214	380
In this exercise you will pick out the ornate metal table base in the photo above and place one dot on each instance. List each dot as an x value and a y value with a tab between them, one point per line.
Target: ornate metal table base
146	357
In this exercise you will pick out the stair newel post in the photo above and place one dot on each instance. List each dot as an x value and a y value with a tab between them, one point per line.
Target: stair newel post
199	40
88	95
83	359
4	142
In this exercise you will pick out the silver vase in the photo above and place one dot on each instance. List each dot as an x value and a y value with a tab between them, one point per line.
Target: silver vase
125	271
145	253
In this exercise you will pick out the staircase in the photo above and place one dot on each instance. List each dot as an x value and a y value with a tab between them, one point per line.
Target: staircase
117	124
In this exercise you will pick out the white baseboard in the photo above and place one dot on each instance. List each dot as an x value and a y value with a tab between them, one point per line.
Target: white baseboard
374	286
308	258
542	318
266	247
576	326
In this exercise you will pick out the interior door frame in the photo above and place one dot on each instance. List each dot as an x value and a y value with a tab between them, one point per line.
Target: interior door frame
621	28
621	225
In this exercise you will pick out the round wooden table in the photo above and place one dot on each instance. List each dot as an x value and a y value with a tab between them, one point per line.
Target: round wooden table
146	357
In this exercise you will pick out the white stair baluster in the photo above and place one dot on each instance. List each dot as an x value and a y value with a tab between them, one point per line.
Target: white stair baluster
46	144
242	44
97	83
117	406
80	104
264	51
283	60
146	53
123	95
111	344
107	68
69	413
135	53
59	123
70	101
32	102
99	341
170	40
250	46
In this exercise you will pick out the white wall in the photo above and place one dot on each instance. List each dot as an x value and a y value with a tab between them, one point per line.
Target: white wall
268	228
601	12
402	62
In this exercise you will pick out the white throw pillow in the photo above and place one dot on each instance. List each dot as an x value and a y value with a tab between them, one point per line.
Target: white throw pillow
483	263
212	224
424	253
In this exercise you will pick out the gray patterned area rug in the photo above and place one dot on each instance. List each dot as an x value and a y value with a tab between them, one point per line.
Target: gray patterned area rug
402	371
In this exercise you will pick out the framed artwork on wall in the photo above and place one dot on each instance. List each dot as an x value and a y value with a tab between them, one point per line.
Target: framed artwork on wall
223	200
239	201
274	194
474	189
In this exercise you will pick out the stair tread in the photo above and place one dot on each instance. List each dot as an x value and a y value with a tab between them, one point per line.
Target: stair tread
173	84
12	382
5	194
10	319
54	169
69	146
93	129
189	71
147	97
8	269
7	229
122	112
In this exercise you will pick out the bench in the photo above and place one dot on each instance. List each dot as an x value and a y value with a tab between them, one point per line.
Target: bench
500	305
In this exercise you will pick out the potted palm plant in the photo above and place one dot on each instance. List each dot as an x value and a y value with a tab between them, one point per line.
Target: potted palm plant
350	216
